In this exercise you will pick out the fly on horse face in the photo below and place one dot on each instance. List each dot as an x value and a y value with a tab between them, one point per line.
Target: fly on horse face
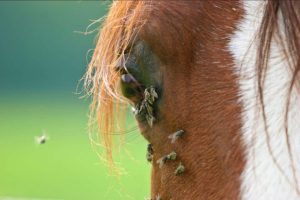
215	91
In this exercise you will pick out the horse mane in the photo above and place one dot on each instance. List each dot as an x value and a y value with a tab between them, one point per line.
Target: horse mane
289	11
280	23
101	79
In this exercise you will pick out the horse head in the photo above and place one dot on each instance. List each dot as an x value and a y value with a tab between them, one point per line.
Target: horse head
189	70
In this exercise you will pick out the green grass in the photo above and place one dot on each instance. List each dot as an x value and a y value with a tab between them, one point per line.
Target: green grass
66	167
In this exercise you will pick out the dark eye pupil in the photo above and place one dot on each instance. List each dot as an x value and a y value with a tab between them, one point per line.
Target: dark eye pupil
130	88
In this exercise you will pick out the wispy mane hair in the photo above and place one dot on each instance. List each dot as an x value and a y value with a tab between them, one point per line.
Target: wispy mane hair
101	79
280	23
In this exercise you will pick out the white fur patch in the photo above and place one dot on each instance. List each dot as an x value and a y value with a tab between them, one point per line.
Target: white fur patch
261	179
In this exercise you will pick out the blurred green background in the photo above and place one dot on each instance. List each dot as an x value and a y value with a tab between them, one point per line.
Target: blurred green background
42	58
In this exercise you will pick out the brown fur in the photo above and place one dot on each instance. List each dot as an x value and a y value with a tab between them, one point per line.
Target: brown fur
200	84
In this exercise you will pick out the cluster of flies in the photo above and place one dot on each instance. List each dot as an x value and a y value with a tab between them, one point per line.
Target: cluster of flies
145	107
169	157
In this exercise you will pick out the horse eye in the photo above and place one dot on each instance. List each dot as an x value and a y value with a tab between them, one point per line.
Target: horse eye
138	69
130	88
128	69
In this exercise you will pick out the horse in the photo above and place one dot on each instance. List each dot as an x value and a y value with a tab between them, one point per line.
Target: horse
214	87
